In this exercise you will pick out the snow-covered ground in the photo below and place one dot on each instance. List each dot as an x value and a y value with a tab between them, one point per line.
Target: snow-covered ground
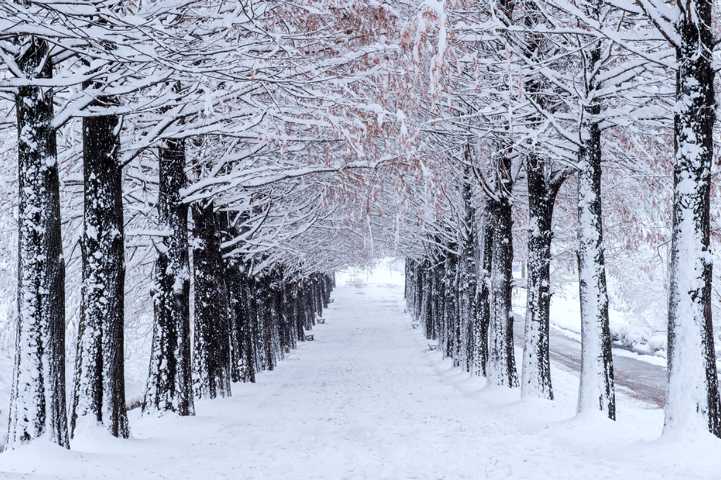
368	400
638	330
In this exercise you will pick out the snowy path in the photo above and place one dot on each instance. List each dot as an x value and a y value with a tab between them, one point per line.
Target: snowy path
366	400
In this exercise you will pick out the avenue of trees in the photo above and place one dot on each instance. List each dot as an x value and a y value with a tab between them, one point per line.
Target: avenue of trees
223	158
542	97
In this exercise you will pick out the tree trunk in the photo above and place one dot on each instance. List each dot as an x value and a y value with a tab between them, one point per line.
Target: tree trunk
283	340
211	335
468	274
692	398
536	372
37	399
99	364
169	385
317	296
432	320
597	387
310	304
427	310
299	311
501	357
450	307
440	299
242	365
253	323
265	323
482	305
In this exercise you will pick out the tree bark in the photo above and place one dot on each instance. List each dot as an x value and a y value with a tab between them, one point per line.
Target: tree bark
242	364
536	371
37	399
211	335
254	324
468	275
299	311
169	385
265	323
501	357
450	304
482	302
99	390
692	398
427	310
597	386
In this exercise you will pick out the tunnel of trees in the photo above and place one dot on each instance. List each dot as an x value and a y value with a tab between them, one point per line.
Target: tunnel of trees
213	163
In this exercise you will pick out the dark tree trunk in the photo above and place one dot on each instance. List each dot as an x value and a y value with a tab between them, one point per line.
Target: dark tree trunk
440	299
288	305
169	385
427	316
501	357
294	315
325	289
431	319
265	323
542	186
37	399
278	312
299	311
458	323
242	363
211	335
247	331
419	278
536	372
317	296
234	283
450	305
597	390
99	365
468	272
418	290
253	323
692	398
309	304
482	303
407	282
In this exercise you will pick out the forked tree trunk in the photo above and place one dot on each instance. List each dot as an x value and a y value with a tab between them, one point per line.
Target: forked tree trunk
99	391
692	398
536	370
37	398
169	385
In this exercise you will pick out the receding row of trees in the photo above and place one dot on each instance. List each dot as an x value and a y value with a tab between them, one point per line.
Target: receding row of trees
243	322
187	92
549	92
